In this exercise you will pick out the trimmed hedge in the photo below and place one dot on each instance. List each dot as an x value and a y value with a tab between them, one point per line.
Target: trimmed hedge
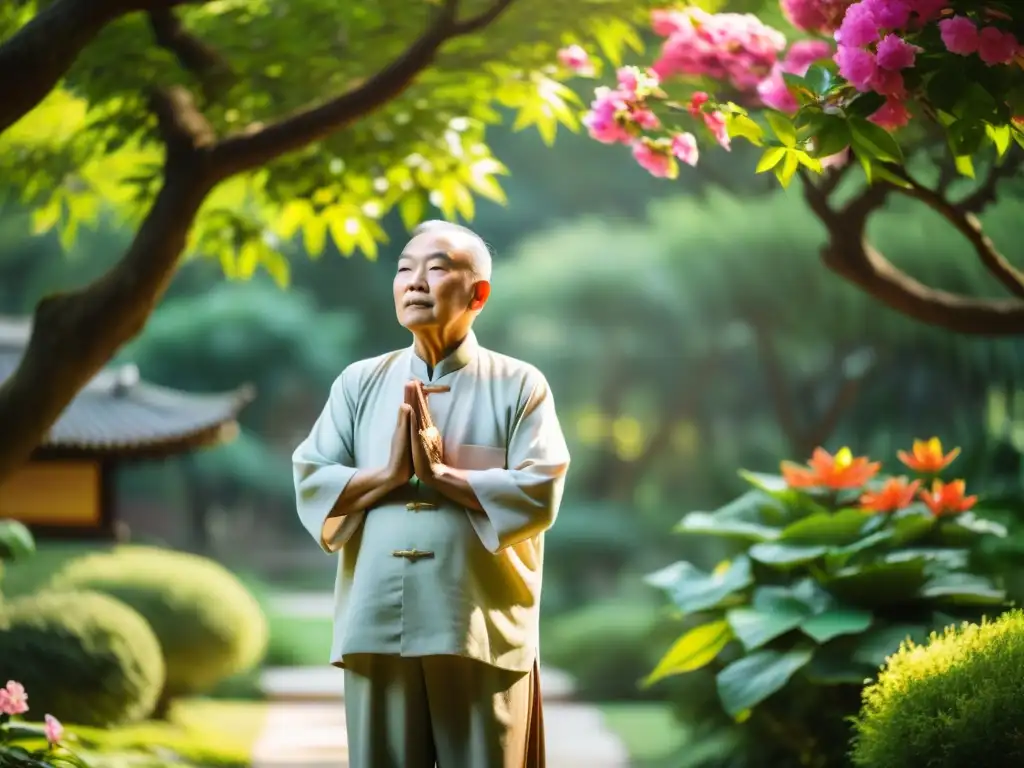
83	657
209	625
956	701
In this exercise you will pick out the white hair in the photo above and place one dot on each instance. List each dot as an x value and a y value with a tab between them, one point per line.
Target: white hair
477	247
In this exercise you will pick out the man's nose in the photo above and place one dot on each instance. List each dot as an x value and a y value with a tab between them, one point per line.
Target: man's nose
417	281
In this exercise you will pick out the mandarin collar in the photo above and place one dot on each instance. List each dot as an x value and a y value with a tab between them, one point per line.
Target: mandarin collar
458	358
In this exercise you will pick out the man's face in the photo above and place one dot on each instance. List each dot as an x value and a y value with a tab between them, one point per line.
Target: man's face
435	284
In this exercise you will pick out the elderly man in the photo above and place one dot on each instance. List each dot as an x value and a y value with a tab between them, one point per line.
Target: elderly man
435	470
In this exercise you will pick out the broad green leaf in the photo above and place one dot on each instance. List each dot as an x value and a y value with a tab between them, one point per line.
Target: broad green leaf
808	162
771	158
692	589
1000	136
768	483
963	589
911	525
971	523
838	528
878	584
865	105
747	682
880	643
874	141
785	172
832	137
835	622
16	540
785	556
953	559
818	79
741	126
695	649
773	613
782	126
741	518
964	165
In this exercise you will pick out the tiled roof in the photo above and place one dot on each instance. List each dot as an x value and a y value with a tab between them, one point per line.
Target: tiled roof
117	414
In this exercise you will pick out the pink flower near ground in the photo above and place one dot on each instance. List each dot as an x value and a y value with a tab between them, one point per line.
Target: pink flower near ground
895	53
959	35
574	57
857	65
54	729
890	14
684	146
655	161
838	160
859	27
997	47
13	699
892	115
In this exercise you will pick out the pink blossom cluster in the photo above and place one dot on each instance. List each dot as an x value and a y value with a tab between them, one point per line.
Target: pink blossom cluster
962	36
873	50
736	48
821	16
14	701
620	116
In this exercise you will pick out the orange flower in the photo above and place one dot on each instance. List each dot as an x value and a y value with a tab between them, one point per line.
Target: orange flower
948	498
827	471
895	494
927	456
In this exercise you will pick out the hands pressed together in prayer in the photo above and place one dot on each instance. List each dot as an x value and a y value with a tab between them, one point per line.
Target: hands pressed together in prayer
416	447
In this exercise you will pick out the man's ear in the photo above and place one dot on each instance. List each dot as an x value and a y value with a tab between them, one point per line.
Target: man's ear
481	292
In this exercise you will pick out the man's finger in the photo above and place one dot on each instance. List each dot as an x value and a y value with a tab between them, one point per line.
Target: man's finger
424	408
433	389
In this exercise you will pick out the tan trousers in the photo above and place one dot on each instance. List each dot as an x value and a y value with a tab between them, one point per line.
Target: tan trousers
447	711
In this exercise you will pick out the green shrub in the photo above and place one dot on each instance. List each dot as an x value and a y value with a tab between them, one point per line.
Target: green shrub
84	657
956	701
209	625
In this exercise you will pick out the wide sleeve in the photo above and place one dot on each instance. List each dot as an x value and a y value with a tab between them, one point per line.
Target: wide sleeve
522	500
323	464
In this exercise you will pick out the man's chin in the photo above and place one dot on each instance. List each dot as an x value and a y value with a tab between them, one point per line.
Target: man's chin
415	320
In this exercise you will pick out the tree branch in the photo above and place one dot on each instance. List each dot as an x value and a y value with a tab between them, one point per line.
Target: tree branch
970	227
211	69
262	144
849	255
74	334
38	55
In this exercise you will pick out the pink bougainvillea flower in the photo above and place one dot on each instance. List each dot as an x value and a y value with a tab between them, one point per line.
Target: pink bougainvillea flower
959	35
889	83
895	53
697	101
684	146
715	121
574	57
857	65
890	14
655	160
54	729
13	699
892	115
859	27
997	47
803	53
607	119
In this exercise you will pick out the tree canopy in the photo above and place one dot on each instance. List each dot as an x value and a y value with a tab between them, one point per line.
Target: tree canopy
226	128
927	96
